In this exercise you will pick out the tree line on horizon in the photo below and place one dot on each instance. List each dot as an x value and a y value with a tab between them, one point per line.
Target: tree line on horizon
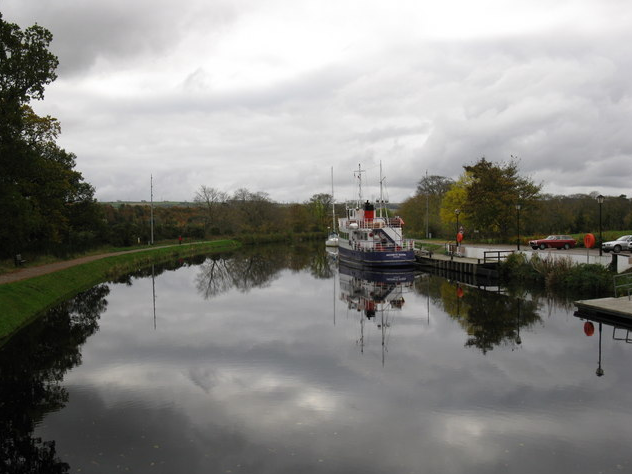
495	203
47	207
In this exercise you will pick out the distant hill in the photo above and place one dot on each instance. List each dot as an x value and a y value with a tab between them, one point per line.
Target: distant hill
391	206
118	204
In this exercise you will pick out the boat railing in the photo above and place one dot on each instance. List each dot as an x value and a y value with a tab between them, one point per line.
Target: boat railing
375	223
622	285
496	256
407	244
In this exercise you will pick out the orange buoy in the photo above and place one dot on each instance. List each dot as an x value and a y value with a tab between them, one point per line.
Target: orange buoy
589	241
459	237
589	328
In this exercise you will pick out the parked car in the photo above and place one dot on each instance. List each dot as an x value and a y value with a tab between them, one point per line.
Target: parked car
622	243
554	242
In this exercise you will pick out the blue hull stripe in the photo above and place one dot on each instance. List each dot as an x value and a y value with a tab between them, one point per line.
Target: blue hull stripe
388	258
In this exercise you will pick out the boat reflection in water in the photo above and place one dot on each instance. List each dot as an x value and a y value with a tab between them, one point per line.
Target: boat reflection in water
376	295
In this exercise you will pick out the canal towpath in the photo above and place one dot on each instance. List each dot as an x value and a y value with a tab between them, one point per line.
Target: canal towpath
24	273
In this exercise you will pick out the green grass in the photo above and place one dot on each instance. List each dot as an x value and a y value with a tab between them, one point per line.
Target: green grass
431	246
559	275
25	300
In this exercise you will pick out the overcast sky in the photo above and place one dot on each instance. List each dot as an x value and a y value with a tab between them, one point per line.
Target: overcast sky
270	94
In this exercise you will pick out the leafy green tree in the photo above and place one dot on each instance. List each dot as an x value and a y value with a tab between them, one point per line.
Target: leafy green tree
319	207
455	199
421	211
26	67
40	191
413	211
298	218
491	193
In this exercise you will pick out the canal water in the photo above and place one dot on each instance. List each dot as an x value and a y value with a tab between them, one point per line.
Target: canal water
277	360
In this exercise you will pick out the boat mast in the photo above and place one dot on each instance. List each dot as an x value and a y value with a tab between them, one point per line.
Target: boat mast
333	203
381	203
359	176
151	208
427	207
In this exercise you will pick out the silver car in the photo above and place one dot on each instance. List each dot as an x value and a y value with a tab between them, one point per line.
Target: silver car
622	243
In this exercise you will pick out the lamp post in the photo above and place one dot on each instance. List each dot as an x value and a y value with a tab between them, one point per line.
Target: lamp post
518	224
600	201
457	212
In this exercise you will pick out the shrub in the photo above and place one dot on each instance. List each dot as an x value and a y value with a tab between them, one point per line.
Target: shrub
552	270
557	274
516	267
589	278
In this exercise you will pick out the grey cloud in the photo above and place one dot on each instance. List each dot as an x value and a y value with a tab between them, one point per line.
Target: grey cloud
557	97
118	31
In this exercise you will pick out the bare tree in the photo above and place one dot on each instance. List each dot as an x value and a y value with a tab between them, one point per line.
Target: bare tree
211	199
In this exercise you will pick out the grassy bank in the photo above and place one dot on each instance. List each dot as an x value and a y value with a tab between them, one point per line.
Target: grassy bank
560	275
24	300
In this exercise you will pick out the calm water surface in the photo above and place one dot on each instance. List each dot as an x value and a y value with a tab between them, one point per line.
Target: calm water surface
269	361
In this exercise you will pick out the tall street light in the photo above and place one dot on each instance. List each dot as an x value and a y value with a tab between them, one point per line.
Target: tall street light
600	201
457	212
518	224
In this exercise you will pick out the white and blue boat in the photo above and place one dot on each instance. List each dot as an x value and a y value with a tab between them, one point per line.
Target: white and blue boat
373	238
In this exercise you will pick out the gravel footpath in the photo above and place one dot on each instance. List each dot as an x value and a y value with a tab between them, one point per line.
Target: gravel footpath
30	272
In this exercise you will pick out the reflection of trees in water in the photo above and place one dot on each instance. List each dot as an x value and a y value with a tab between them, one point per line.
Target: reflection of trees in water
257	267
495	319
430	286
490	319
32	366
159	268
545	297
214	277
321	265
219	274
311	256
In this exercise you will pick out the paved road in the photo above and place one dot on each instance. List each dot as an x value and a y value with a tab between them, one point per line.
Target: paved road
576	251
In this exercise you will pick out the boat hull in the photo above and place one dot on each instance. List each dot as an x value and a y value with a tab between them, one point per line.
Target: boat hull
392	258
395	275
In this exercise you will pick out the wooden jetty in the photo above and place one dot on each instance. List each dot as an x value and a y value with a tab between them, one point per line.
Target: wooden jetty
619	307
605	307
487	267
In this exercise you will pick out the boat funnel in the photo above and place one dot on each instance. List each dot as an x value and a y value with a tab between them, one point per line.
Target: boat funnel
369	210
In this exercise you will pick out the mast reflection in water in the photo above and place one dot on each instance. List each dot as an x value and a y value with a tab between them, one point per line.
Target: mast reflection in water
376	295
243	371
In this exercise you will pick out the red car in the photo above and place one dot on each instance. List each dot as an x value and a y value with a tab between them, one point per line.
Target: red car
554	242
